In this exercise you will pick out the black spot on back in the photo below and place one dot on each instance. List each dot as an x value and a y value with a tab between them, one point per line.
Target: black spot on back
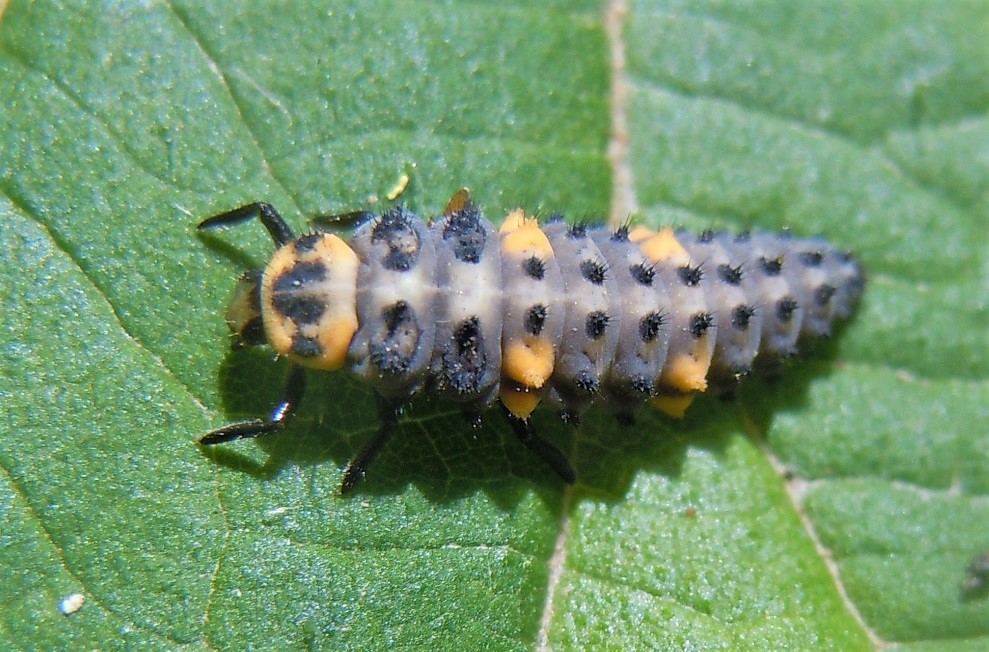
578	230
298	276
466	231
690	276
699	324
298	307
535	319
707	235
643	273
771	266
290	295
395	229
593	271
587	381
397	341
534	268
730	275
823	294
306	347
642	385
741	317
785	309
595	324
620	234
811	258
649	326
464	362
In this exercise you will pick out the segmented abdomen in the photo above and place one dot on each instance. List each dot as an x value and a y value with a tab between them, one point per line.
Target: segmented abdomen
567	315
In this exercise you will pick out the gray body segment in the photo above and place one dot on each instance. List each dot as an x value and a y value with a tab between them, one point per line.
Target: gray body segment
466	362
592	324
642	309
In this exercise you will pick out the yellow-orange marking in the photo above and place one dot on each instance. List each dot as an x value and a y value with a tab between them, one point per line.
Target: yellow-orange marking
528	362
664	246
519	402
687	372
674	406
640	233
521	236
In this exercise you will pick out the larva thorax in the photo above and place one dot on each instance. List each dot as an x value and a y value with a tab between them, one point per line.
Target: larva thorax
533	313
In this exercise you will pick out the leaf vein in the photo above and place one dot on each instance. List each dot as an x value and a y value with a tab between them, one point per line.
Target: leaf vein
65	248
242	116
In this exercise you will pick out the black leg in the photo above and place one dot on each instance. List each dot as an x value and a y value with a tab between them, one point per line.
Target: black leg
279	230
281	415
341	220
355	469
547	451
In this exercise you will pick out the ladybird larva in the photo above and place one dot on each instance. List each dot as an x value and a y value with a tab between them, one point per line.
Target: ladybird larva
565	315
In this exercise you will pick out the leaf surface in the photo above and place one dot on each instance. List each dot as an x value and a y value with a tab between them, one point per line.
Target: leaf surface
126	125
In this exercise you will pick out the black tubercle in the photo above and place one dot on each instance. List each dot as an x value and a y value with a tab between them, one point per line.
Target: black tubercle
642	385
394	347
534	268
596	323
690	276
620	234
730	275
464	362
578	230
785	309
465	231
811	258
535	319
643	273
771	266
741	316
823	294
707	235
593	271
700	323
649	326
395	228
587	382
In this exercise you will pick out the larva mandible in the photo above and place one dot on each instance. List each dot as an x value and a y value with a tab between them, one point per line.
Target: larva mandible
556	313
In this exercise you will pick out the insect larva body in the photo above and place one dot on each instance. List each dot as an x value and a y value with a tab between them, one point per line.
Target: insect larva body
559	314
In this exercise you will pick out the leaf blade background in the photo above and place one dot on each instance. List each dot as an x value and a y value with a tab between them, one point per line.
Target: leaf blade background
127	126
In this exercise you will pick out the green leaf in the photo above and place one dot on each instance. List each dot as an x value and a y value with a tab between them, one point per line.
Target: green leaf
836	508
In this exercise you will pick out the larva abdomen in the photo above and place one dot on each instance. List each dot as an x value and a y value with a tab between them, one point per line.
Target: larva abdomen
568	314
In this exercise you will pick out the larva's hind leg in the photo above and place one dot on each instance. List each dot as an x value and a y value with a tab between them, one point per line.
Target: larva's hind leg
545	450
358	465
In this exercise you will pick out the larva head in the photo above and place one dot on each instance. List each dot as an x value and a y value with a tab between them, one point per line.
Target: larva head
308	300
